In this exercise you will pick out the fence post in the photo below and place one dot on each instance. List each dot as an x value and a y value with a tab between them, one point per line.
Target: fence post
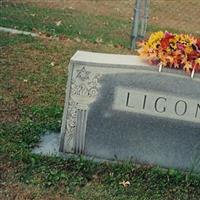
144	19
139	24
135	24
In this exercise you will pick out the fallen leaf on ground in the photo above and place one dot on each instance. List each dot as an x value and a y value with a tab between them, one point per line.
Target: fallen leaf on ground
52	64
58	23
125	183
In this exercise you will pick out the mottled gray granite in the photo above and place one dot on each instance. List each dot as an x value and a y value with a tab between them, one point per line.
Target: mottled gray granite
106	117
143	138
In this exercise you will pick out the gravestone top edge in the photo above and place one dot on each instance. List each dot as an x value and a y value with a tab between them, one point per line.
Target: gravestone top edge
108	58
127	61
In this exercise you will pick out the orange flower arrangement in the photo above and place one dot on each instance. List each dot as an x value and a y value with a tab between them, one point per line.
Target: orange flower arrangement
179	51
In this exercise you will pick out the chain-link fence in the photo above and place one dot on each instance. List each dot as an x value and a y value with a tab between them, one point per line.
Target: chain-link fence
171	15
106	21
179	16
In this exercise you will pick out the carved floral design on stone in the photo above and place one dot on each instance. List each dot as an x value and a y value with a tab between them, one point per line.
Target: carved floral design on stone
84	84
71	120
83	74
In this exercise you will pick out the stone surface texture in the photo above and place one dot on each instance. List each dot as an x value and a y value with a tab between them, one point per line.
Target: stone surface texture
119	107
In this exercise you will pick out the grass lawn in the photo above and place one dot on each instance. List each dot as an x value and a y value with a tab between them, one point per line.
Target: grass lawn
33	75
100	21
73	23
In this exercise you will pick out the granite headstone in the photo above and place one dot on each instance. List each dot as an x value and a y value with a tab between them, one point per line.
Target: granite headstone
119	107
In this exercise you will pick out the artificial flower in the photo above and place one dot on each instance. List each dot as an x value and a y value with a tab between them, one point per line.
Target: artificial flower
180	51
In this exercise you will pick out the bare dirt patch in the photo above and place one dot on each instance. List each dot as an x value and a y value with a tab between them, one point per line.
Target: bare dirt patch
181	15
19	191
